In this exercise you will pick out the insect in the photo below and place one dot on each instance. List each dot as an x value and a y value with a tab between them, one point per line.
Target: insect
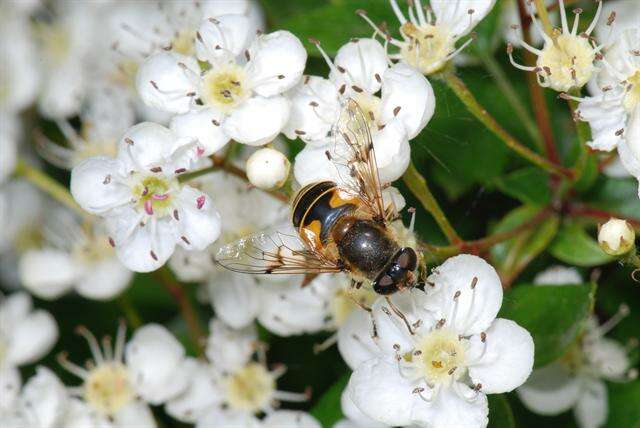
341	227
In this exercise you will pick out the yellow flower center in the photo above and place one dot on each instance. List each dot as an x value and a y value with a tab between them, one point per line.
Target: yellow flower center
441	355
107	148
184	42
125	73
153	194
426	47
567	62
251	388
55	42
225	87
108	388
95	250
632	98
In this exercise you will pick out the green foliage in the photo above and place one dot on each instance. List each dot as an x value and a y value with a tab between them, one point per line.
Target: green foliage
327	409
500	414
529	185
554	315
573	245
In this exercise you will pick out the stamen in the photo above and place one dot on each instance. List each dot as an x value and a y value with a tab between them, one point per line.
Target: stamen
96	353
72	368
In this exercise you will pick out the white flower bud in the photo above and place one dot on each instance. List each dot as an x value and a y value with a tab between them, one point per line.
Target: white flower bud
268	168
616	237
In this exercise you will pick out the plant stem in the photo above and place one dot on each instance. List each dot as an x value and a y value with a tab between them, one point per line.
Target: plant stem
511	96
130	312
541	10
186	309
467	98
579	210
584	135
418	186
48	185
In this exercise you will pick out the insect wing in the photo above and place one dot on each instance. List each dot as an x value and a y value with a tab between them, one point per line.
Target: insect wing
273	253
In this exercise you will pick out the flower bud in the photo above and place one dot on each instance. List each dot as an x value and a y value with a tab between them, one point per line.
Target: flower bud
616	237
267	168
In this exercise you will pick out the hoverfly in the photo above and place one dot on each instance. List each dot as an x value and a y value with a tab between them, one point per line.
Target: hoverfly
338	227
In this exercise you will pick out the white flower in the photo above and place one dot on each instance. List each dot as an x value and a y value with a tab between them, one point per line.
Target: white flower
429	40
399	112
621	15
105	115
435	363
73	256
26	335
147	210
577	380
268	168
239	86
566	61
510	23
10	136
232	386
354	418
152	369
558	275
616	237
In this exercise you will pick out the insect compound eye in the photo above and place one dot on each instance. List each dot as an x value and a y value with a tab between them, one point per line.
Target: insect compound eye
384	284
407	259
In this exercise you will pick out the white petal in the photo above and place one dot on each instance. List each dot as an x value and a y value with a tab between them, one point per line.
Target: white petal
276	64
156	361
455	14
147	145
450	410
355	341
200	125
391	195
507	360
10	382
201	395
79	414
629	150
47	273
558	275
312	165
104	280
404	87
230	349
290	419
171	83
393	152
474	308
592	407
627	16
381	393
62	94
258	120
136	414
146	248
48	398
608	358
606	116
354	414
362	60
15	308
234	298
191	266
550	390
32	338
89	189
9	135
217	418
224	36
201	226
315	107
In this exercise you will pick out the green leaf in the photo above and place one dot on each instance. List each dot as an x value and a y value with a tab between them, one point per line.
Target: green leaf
529	185
554	315
624	410
616	195
328	409
574	246
500	414
512	256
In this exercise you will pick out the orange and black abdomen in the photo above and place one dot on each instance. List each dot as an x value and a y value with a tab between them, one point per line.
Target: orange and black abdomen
316	209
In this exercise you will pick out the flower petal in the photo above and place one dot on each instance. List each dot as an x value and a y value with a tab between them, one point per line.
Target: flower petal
276	63
234	298
147	145
156	362
355	341
457	16
10	382
315	107
199	221
480	295
362	60
312	164
405	88
222	36
558	275
31	339
230	349
393	152
507	360
291	419
608	358
550	390
606	117
355	415
48	398
47	273
218	418
592	407
201	126
258	120
92	187
163	84
104	280
450	410
135	414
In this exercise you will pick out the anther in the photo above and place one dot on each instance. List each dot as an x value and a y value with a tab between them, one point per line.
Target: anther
156	169
474	282
396	110
153	255
128	140
175	215
483	337
112	242
200	202
107	179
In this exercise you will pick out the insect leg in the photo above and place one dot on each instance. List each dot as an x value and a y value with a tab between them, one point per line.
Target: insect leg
399	313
